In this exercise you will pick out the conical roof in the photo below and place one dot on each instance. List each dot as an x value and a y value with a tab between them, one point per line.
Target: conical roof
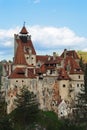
23	30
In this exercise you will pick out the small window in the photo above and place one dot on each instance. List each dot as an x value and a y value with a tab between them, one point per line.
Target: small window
79	76
27	57
15	86
64	85
50	71
70	85
77	85
22	80
61	113
11	95
82	85
16	80
32	58
38	65
53	104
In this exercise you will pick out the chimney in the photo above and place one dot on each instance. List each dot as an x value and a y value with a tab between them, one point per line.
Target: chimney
49	58
9	69
65	51
54	55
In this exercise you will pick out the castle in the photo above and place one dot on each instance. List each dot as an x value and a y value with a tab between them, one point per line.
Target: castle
52	78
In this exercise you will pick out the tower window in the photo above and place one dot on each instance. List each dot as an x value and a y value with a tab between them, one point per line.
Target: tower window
64	85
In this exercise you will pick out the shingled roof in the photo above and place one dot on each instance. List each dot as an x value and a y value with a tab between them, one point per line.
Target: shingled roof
23	30
74	68
19	57
63	75
71	53
21	73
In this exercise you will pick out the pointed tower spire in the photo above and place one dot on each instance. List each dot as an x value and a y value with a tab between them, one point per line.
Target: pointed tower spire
24	30
24	23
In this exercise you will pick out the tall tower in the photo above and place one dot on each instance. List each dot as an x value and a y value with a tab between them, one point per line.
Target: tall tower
24	52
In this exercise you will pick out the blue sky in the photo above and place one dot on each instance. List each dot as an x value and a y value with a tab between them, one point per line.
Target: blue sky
53	24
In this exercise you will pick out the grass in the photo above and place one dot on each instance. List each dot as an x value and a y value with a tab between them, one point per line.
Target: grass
82	54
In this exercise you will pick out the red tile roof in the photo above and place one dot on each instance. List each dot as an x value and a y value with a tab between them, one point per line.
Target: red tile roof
23	30
73	66
18	73
31	73
27	43
19	57
41	58
63	75
42	69
71	53
53	61
27	46
21	73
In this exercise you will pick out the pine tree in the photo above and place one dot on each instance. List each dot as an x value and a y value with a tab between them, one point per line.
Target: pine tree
3	105
0	73
81	64
27	108
82	100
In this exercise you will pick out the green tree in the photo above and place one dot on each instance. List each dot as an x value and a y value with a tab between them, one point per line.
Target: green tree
3	105
6	124
81	64
81	106
27	109
0	73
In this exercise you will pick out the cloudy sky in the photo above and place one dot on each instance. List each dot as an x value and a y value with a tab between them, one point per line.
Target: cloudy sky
53	24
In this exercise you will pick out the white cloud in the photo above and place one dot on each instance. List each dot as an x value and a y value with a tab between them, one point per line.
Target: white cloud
85	49
6	36
54	37
45	39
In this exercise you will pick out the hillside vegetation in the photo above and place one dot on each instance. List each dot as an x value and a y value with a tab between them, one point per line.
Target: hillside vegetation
83	54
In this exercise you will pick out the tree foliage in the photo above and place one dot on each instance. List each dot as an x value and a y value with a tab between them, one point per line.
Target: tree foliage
81	64
0	72
27	108
5	124
81	114
3	105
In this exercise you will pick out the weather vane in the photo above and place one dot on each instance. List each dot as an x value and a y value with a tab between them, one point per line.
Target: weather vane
24	23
